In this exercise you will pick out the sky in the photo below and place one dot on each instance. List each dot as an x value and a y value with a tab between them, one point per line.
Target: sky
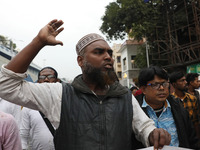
21	20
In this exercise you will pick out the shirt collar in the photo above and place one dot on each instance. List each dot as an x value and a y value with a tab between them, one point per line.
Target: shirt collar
144	104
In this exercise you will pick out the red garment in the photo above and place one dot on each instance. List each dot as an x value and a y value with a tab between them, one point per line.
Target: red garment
138	92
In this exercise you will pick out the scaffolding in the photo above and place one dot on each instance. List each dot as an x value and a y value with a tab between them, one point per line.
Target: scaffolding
179	45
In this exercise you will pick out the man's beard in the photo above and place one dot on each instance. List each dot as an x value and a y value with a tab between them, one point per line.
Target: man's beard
99	77
184	89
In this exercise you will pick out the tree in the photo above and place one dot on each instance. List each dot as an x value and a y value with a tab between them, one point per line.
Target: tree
166	24
134	18
7	42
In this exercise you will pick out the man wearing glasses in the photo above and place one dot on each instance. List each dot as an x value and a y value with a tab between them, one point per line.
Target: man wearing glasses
48	74
95	112
35	134
164	109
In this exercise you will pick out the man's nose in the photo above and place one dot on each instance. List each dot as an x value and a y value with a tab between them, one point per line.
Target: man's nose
108	56
46	79
161	86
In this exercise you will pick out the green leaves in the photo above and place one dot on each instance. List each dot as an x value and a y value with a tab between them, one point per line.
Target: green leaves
165	24
7	42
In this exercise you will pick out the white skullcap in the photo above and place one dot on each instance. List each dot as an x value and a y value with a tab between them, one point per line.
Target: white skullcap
86	40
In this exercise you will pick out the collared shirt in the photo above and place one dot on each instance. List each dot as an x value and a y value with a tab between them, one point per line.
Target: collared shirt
9	133
165	120
33	128
47	98
10	108
190	103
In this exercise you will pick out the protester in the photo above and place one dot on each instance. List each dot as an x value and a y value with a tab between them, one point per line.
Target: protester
193	84
166	112
95	111
190	103
34	131
199	85
13	109
9	133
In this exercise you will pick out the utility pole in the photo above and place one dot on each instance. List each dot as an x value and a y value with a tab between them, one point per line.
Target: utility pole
147	53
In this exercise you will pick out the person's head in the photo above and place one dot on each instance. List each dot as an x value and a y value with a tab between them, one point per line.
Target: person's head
178	81
48	74
133	89
192	80
154	84
95	60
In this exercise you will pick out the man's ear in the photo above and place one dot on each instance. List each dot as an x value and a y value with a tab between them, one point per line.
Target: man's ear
80	60
173	84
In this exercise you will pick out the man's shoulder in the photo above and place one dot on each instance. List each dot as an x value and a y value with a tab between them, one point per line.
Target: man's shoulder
174	102
173	94
190	96
6	119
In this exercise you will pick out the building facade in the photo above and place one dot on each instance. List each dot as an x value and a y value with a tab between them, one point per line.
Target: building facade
117	60
6	54
129	49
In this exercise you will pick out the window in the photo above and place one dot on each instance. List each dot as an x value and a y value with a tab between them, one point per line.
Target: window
118	59
124	61
133	61
119	74
124	64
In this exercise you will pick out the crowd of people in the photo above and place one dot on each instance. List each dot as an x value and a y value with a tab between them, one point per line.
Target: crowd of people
94	112
166	99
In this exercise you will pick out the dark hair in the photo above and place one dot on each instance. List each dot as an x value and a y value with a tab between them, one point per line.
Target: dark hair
174	76
148	74
55	72
191	77
133	87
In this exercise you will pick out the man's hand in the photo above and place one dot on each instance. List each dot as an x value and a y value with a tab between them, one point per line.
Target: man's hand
47	35
159	137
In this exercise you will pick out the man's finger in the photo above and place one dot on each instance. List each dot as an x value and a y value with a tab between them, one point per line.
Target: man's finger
154	137
59	30
163	136
52	22
168	138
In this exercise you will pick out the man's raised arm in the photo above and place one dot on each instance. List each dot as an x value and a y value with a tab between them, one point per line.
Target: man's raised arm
46	36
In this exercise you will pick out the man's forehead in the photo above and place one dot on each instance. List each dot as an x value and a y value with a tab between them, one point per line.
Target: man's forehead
182	78
158	78
47	70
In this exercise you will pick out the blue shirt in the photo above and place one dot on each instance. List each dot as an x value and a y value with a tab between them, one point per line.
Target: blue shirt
165	121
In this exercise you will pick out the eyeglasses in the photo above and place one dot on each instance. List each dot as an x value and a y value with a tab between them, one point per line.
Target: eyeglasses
156	86
49	77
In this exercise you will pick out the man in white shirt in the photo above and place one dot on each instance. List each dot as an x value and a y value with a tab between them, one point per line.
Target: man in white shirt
13	109
34	132
93	115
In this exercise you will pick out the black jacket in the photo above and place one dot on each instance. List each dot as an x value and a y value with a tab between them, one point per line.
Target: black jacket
185	130
88	123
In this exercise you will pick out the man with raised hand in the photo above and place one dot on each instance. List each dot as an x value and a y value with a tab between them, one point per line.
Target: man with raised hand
94	112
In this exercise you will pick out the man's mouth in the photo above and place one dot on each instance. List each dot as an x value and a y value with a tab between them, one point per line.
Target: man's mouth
108	66
162	95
